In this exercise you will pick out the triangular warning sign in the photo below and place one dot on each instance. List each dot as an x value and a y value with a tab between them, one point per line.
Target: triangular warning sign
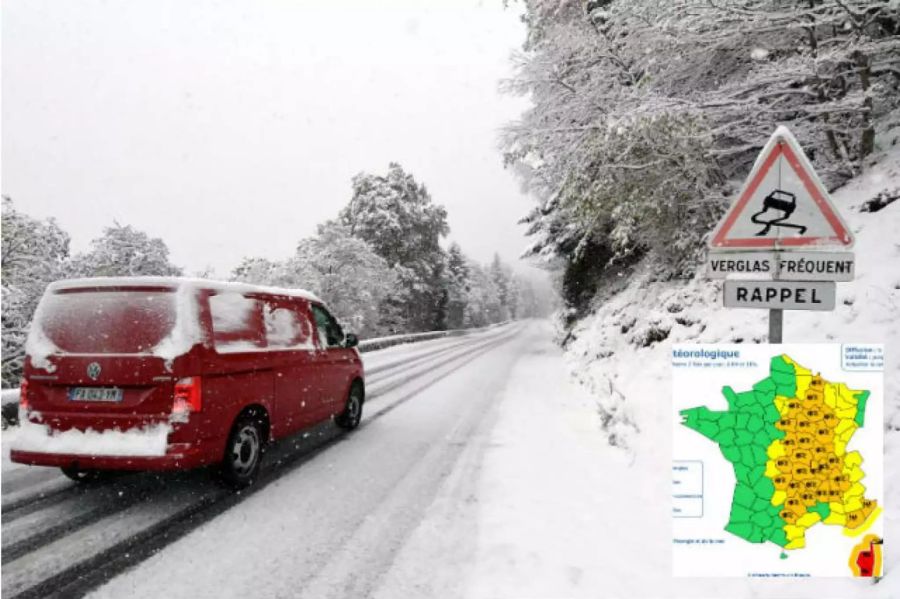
783	204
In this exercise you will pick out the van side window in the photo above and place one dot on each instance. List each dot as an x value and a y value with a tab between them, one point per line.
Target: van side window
330	333
287	326
237	322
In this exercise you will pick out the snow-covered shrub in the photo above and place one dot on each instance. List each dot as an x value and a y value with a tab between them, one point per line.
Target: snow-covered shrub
880	200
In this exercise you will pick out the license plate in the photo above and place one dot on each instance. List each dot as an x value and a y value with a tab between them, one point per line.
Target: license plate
95	394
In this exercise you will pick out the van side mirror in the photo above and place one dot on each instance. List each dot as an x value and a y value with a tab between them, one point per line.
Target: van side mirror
351	340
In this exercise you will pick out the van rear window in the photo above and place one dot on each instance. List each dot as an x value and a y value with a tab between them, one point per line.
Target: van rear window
107	321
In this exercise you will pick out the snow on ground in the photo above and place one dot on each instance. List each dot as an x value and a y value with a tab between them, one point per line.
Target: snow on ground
551	491
622	354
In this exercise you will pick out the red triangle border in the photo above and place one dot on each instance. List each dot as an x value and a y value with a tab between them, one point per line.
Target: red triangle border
841	235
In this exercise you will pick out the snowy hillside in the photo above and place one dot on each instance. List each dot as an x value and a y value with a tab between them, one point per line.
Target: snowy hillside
622	351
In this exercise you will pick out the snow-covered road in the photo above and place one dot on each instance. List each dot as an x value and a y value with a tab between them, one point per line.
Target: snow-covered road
329	514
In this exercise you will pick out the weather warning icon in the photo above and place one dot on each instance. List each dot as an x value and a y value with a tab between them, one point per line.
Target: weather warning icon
777	207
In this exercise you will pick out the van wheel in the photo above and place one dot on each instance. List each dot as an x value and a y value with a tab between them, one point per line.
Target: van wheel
83	476
243	451
352	414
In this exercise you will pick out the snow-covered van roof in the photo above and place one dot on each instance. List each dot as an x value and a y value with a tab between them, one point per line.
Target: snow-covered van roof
180	283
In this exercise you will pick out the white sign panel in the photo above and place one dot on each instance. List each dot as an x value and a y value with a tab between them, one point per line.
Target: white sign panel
783	204
720	265
815	266
780	295
786	266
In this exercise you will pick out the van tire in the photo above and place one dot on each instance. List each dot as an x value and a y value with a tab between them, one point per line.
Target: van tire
244	450
352	414
84	476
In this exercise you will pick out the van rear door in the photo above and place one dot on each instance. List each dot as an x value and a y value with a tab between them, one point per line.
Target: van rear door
92	352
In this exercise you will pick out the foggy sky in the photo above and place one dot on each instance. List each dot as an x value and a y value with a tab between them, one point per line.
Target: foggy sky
231	129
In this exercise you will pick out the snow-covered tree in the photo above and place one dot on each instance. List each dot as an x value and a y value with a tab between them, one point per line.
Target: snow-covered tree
260	271
483	305
341	269
503	278
395	215
829	68
349	275
124	251
33	255
620	169
457	286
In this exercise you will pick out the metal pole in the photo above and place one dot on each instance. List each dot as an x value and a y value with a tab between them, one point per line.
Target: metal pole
776	316
775	322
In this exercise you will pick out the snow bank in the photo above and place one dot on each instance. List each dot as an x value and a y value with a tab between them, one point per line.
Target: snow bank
145	442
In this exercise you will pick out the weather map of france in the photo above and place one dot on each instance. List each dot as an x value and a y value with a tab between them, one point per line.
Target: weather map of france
778	460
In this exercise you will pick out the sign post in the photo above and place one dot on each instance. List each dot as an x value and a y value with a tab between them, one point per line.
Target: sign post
776	229
776	320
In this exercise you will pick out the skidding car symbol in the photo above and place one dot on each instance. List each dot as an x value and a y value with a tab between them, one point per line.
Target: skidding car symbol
778	201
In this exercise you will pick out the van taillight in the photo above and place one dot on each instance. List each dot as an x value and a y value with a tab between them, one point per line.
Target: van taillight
23	395
187	396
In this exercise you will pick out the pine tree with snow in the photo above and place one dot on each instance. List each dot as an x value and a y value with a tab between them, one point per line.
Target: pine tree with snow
457	286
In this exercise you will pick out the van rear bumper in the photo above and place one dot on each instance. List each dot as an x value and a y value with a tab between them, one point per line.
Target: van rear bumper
179	456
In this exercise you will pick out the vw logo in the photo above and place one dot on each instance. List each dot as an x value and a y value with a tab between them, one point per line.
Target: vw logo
93	371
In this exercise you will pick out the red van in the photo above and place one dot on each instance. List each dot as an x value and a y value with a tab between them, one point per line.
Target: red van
146	373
